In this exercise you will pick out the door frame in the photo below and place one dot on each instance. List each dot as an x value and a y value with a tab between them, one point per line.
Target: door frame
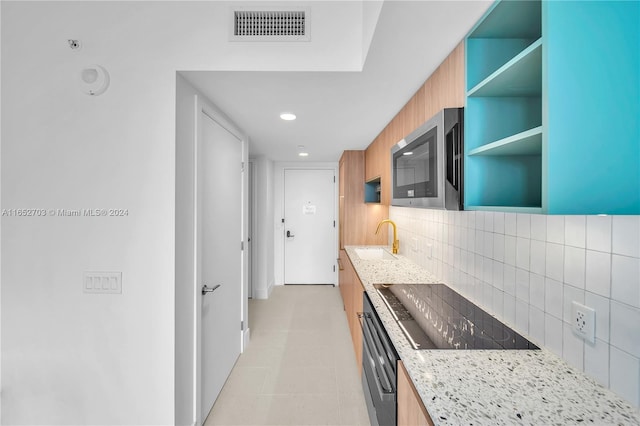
203	106
279	228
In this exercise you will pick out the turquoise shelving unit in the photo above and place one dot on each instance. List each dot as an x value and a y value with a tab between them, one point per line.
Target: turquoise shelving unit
552	118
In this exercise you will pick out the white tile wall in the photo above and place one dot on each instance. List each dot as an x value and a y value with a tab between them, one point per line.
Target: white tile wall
527	269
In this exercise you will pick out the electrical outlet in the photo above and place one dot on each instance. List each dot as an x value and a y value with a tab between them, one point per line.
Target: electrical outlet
429	250
584	321
415	243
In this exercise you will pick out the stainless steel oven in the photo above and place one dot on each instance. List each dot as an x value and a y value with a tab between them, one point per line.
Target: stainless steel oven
379	363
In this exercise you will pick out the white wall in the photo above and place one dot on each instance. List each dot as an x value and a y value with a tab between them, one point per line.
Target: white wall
263	244
185	252
527	269
278	206
370	13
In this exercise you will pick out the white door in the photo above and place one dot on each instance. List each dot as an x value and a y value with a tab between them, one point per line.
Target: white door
219	256
309	226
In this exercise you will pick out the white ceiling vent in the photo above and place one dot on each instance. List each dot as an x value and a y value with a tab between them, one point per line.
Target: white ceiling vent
270	25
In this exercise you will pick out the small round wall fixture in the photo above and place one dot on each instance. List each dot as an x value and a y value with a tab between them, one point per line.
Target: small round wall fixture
94	80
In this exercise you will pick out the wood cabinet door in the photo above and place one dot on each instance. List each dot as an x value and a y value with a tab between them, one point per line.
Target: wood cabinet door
411	411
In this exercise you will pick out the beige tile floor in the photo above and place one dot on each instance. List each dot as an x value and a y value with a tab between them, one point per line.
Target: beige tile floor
299	368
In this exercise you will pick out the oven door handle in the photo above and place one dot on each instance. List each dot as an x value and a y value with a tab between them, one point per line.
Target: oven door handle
381	373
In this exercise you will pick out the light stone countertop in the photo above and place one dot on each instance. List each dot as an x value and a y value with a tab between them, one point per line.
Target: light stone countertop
491	387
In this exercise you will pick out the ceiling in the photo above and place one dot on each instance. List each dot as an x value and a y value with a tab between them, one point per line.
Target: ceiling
342	110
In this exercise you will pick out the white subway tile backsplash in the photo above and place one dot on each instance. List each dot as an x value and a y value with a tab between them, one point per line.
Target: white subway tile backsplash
498	247
626	235
598	273
574	266
498	222
536	325
487	270
599	233
537	257
488	221
602	307
471	240
624	375
479	241
553	334
523	250
522	285
536	291
523	222
539	227
471	219
510	243
509	303
553	298
572	347
625	328
625	280
487	296
522	316
510	224
555	261
509	280
555	229
596	361
488	244
498	275
480	220
478	261
571	294
497	303
575	231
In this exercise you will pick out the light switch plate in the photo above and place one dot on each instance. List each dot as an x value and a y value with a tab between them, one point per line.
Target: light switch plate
102	282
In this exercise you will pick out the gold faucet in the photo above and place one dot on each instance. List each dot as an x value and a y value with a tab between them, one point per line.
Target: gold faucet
396	243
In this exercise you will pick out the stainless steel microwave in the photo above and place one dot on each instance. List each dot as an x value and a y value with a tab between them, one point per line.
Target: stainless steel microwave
427	165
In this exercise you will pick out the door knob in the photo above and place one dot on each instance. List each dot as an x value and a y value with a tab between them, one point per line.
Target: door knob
206	289
290	235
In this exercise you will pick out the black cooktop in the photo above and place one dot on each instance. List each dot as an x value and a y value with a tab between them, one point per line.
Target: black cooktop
433	316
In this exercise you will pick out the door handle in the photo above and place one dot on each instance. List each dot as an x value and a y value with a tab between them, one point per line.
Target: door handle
290	235
206	289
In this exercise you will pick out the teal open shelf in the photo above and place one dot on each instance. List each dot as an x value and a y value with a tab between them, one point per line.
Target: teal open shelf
521	76
551	109
525	143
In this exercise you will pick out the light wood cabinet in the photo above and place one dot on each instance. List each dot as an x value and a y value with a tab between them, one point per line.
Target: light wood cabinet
535	143
351	199
411	410
352	291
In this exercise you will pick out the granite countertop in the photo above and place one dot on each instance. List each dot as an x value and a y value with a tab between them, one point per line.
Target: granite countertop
491	387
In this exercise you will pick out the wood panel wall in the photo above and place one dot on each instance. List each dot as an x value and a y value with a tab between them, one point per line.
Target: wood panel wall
443	89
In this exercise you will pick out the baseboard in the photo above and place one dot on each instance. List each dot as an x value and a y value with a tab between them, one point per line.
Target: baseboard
246	337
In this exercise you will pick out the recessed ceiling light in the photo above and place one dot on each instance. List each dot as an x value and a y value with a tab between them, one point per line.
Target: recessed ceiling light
302	152
407	153
287	116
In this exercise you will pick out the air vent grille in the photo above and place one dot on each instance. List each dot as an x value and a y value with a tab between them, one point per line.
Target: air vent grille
270	24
